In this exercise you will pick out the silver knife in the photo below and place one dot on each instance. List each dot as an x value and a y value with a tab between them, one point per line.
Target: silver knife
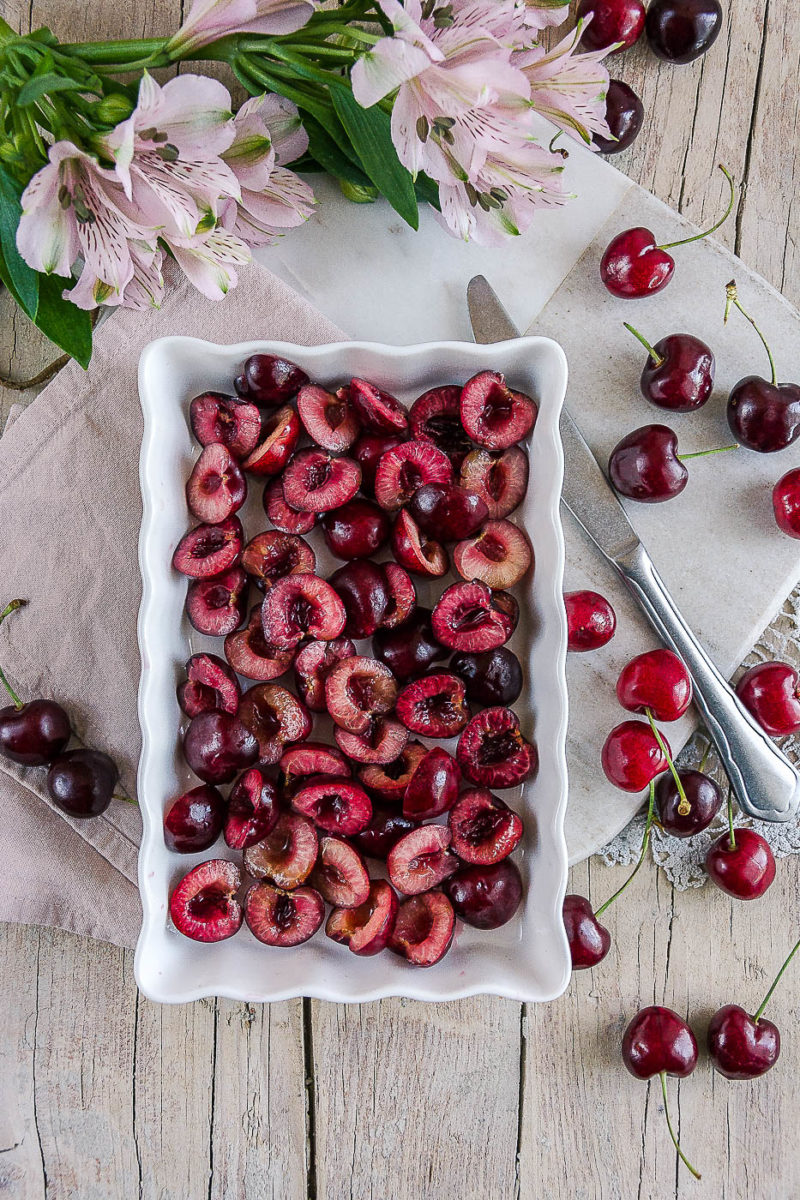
764	782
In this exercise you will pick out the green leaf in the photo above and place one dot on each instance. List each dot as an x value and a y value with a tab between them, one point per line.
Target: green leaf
369	130
69	327
428	190
25	280
42	85
325	151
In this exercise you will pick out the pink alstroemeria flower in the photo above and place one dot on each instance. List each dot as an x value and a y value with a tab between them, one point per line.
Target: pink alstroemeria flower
568	88
210	20
539	14
210	260
75	211
268	133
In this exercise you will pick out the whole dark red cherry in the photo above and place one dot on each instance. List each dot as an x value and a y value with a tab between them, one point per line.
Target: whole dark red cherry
356	529
703	795
611	21
591	621
81	782
656	680
633	265
194	820
217	746
268	379
491	677
486	896
786	502
764	416
741	1047
368	451
589	941
645	465
624	117
681	30
34	733
632	757
658	1041
744	870
770	691
679	372
409	649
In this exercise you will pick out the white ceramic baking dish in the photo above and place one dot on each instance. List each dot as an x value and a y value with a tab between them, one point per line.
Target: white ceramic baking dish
527	959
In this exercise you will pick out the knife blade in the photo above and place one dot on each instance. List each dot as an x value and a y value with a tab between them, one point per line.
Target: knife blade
764	781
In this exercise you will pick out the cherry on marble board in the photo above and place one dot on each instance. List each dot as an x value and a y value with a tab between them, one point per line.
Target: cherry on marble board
679	372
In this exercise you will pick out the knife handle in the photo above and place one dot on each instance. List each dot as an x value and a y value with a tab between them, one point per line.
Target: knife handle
764	782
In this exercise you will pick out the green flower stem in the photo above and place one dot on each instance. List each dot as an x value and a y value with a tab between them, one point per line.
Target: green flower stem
707	232
684	807
675	1142
12	606
648	825
115	53
759	1012
732	300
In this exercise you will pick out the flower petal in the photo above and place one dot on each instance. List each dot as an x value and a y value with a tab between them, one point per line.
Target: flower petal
46	231
378	72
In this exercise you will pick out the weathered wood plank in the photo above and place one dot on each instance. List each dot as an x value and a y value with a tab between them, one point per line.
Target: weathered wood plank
21	1170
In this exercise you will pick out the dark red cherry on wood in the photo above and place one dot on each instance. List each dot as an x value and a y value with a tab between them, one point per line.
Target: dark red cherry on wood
740	1046
634	265
705	800
659	1040
624	117
744	870
645	466
589	941
786	502
612	22
681	30
770	691
679	372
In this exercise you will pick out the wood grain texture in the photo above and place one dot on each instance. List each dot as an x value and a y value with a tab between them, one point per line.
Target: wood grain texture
103	1094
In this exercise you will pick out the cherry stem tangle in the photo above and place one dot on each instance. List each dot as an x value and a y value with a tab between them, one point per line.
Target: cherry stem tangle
775	982
12	606
684	808
675	1142
657	359
732	301
648	825
731	831
699	236
703	453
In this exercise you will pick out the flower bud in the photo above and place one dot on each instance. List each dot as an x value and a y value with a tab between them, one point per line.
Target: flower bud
358	194
113	109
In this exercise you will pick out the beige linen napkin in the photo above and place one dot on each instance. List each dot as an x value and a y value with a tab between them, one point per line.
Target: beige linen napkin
69	524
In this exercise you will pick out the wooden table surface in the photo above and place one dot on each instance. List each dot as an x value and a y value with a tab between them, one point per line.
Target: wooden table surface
105	1096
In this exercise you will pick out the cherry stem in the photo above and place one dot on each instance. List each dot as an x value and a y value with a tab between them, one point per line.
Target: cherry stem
776	981
704	759
12	606
703	453
675	1142
731	831
657	358
684	807
648	825
699	236
732	301
123	797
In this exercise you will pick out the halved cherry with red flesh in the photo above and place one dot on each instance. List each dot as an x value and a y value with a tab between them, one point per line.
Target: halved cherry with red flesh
433	786
378	411
414	550
591	621
340	875
368	452
499	477
235	423
307	759
388	782
500	555
203	906
356	530
632	757
315	481
194	820
251	655
409	649
770	691
486	896
362	589
485	830
216	488
422	859
405	469
357	689
218	606
268	379
434	706
328	417
311	665
278	440
217	746
253	810
492	414
402	596
276	718
786	502
436	417
274	555
384	831
211	686
423	929
469	616
301	606
283	919
335	805
209	550
284	518
447	510
382	743
492	751
286	856
366	930
656	682
589	941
